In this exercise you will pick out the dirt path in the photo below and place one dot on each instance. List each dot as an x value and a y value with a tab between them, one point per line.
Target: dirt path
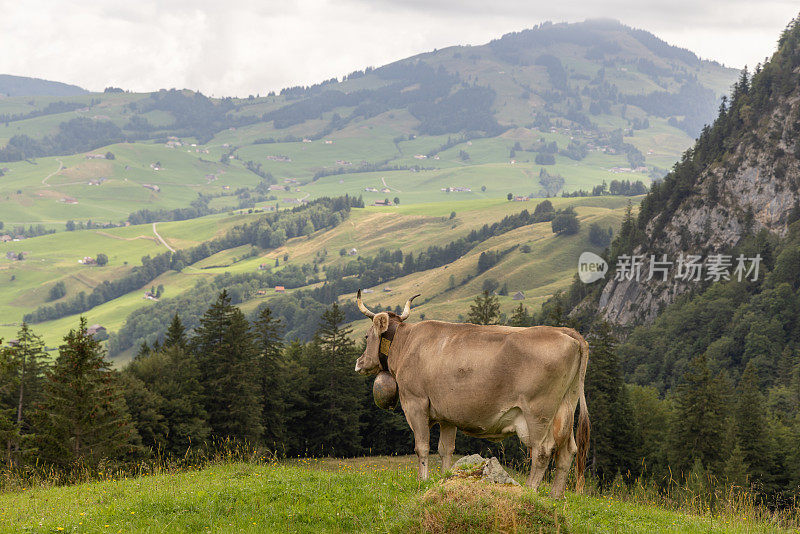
60	166
161	238
387	185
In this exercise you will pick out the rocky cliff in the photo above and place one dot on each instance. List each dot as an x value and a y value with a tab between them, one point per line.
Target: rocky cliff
742	176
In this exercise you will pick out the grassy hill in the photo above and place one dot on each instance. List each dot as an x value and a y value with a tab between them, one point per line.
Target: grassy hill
542	112
608	96
548	267
358	495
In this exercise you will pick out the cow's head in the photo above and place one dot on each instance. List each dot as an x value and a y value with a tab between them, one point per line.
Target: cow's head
369	363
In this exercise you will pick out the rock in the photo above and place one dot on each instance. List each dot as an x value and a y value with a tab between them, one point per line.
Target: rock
488	470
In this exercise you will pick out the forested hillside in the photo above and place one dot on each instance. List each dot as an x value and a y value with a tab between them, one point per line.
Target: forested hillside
721	349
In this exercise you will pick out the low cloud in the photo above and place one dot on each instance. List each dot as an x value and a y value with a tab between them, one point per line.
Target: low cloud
250	47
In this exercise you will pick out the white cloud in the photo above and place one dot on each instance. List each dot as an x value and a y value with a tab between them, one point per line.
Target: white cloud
244	47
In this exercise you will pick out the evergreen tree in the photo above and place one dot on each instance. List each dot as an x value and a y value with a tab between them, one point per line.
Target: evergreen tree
227	357
24	362
83	417
176	334
296	400
486	309
172	380
272	370
751	427
335	396
615	446
521	317
698	426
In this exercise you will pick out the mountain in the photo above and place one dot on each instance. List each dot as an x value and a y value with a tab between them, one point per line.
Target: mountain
594	109
24	86
741	177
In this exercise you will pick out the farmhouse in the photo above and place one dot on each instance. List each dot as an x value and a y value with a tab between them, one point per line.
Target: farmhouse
521	199
87	260
152	187
280	289
261	292
519	295
371	189
381	203
263	267
97	331
352	252
5	238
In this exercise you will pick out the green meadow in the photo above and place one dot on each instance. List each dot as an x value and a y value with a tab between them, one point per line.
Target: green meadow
371	494
547	268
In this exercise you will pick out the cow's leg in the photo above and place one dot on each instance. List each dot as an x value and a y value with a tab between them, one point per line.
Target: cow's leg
566	452
447	444
417	417
539	448
540	457
565	442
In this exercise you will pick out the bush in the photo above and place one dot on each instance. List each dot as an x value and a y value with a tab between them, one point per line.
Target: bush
58	290
566	222
598	236
490	284
545	159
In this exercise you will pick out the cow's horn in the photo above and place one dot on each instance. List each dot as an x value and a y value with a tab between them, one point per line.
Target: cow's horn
363	308
407	309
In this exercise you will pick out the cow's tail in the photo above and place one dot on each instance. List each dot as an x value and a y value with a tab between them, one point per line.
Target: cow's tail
584	426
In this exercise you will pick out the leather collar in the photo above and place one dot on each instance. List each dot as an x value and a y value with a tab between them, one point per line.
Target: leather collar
385	344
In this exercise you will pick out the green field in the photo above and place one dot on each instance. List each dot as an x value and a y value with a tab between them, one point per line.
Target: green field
547	268
376	494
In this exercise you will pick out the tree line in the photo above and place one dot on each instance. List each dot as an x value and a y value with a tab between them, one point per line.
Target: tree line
230	380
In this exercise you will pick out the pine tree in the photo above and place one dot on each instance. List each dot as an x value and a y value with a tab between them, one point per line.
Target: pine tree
227	357
25	365
614	446
172	379
176	334
335	392
698	426
521	317
486	309
297	382
735	469
84	417
272	374
751	426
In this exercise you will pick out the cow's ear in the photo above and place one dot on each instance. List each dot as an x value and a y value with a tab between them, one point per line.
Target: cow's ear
381	322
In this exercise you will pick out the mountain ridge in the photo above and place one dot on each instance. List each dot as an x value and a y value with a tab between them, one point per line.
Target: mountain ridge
11	85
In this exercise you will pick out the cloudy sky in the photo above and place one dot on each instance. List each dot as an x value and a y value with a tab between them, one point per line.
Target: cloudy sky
246	47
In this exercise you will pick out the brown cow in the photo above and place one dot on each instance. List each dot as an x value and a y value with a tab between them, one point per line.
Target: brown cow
489	381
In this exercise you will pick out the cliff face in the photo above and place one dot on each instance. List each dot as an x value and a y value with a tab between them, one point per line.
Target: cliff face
742	176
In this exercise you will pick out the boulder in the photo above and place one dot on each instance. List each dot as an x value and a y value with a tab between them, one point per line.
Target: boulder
486	469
